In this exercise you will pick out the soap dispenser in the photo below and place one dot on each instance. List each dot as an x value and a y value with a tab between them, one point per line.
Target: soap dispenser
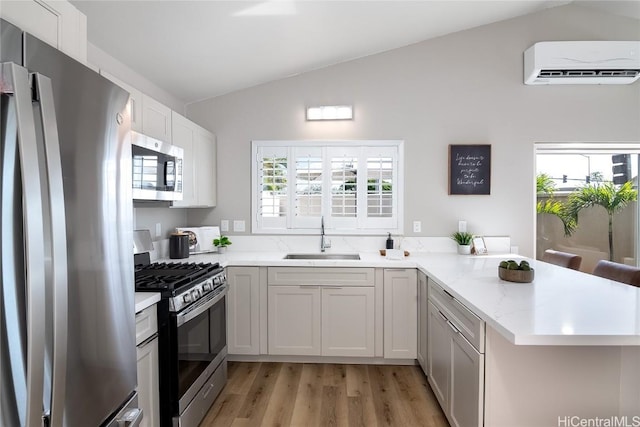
389	242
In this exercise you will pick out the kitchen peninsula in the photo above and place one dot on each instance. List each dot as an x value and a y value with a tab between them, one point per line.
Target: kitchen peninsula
567	344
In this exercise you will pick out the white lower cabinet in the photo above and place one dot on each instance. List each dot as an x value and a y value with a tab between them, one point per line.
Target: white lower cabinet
439	356
321	311
467	383
348	321
243	303
423	317
400	313
455	367
147	350
294	320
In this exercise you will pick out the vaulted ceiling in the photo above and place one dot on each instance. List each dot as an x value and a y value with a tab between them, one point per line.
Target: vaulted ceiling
200	49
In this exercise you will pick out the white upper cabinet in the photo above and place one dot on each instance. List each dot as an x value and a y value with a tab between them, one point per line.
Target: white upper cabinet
57	23
135	100
199	168
156	119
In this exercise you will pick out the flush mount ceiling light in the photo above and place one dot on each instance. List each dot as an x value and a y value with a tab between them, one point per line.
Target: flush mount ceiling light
330	112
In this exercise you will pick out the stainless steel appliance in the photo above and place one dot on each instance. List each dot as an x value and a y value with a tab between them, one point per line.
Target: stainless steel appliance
156	169
192	336
67	337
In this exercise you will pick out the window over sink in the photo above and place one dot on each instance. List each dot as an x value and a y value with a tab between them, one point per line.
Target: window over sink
356	186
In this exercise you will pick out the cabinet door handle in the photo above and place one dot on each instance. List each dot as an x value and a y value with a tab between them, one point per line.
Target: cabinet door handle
448	294
148	341
453	327
332	287
395	269
308	287
443	316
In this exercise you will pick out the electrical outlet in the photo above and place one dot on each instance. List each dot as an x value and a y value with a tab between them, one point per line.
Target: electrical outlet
238	225
224	225
417	226
462	226
158	229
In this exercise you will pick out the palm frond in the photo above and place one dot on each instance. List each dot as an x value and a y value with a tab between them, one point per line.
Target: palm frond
557	208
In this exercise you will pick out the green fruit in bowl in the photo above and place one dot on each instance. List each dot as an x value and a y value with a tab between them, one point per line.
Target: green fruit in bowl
504	264
512	265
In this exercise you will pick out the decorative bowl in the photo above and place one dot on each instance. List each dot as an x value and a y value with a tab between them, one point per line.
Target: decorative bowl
519	276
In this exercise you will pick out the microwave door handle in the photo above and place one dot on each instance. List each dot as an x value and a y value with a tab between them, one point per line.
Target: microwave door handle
15	84
59	279
170	173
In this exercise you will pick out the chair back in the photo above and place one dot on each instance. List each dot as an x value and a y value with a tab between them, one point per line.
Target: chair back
618	272
563	259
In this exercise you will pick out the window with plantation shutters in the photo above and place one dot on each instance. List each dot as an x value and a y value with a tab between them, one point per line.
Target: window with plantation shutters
355	185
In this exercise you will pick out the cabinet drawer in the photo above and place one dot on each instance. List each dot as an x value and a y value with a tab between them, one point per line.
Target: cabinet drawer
319	276
470	325
146	324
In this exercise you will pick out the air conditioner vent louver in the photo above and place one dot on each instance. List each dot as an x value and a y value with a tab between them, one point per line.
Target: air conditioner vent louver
582	62
553	74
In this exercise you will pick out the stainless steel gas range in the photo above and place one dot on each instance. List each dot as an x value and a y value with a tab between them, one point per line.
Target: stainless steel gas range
191	336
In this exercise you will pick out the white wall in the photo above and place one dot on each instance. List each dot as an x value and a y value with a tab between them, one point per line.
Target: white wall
461	88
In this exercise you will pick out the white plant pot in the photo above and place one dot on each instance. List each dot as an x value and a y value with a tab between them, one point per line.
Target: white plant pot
222	249
464	249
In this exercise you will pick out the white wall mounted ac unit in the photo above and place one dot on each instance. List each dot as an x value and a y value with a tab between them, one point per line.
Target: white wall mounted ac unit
582	62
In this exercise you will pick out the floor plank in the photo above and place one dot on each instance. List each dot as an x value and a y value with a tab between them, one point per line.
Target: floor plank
306	409
280	408
300	395
258	397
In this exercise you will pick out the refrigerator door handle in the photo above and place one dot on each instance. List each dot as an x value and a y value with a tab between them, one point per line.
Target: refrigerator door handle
15	83
59	280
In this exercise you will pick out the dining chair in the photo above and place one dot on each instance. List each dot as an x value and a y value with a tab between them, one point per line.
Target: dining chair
563	259
618	272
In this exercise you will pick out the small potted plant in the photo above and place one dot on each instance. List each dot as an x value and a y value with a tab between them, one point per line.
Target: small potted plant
222	243
463	239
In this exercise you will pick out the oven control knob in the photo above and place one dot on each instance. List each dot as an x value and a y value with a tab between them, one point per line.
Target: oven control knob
186	298
207	287
195	294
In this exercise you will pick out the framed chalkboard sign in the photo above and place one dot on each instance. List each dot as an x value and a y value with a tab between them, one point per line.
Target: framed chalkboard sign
470	169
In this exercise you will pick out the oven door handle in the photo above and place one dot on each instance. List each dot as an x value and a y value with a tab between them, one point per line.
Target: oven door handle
183	318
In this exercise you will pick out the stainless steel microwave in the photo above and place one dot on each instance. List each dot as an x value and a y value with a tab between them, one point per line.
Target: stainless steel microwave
156	168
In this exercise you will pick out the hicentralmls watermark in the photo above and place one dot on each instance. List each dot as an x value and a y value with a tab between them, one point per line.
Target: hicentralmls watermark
613	421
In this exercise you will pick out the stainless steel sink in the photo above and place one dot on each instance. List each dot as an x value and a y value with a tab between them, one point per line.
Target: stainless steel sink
323	256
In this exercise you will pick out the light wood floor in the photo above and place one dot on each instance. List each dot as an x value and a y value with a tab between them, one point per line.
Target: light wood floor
297	394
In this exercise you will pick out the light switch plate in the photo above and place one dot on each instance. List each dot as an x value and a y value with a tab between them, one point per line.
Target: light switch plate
224	225
158	229
238	225
462	226
417	226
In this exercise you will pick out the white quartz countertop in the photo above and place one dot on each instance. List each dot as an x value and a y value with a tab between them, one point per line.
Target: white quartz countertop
560	307
146	299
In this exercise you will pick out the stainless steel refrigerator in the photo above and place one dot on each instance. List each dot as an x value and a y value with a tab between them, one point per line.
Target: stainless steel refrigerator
67	338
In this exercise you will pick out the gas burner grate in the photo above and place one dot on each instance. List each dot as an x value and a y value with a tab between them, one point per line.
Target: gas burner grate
163	276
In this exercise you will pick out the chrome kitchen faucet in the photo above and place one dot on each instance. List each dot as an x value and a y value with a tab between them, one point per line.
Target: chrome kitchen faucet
324	243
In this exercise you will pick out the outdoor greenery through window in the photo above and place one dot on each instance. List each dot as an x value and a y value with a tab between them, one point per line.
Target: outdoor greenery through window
355	185
587	202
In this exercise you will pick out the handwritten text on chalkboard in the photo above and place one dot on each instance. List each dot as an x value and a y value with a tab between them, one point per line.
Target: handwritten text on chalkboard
469	169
